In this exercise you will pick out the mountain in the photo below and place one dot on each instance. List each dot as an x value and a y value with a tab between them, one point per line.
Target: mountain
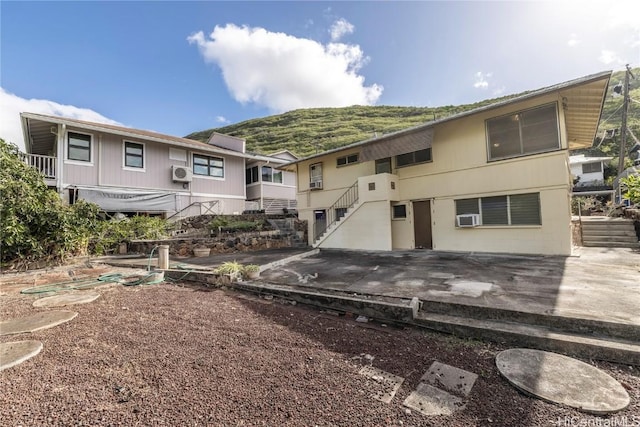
307	131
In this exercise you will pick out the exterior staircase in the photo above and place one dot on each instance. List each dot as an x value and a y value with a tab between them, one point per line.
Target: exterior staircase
335	224
608	232
341	209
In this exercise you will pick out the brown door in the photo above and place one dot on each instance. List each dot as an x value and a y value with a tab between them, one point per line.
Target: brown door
422	224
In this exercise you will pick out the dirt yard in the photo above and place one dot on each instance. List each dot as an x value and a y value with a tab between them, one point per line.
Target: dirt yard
182	355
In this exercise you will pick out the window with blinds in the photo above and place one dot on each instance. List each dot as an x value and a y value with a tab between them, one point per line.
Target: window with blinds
514	209
592	167
523	133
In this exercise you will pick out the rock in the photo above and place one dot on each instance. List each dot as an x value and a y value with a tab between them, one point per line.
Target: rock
362	319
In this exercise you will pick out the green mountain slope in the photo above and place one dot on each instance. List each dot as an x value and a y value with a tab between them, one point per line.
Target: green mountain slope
305	131
311	130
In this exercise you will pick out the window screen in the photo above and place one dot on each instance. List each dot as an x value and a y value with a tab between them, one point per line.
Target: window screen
399	211
526	132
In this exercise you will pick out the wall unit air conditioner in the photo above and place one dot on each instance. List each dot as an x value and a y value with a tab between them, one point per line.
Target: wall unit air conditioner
315	185
468	220
181	174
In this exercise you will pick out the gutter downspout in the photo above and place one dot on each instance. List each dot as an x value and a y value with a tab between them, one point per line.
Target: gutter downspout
62	128
99	160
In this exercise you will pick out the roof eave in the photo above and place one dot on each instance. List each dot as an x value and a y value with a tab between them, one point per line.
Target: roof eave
524	97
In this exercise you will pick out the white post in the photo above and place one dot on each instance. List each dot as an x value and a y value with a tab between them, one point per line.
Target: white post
163	257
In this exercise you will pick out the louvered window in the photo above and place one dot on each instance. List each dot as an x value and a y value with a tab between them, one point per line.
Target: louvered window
515	209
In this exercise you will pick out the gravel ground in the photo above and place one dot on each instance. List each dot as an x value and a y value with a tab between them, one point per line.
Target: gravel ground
178	355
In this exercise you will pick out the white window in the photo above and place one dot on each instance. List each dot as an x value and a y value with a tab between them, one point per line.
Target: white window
420	156
383	165
347	160
526	132
515	209
133	155
591	167
271	175
399	211
208	166
315	172
252	175
79	147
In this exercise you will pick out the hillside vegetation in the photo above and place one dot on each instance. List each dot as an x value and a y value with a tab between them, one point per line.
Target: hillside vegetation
307	131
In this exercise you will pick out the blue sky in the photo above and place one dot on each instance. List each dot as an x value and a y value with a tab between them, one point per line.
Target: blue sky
179	67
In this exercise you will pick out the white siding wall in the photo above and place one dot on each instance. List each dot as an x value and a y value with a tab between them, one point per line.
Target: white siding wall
107	169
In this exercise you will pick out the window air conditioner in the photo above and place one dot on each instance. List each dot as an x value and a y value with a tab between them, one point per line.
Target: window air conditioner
468	220
181	174
315	185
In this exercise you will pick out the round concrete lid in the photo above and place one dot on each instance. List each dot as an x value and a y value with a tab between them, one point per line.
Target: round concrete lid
66	299
14	353
35	322
561	379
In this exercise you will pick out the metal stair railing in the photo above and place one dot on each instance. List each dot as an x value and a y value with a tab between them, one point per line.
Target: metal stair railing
339	209
209	205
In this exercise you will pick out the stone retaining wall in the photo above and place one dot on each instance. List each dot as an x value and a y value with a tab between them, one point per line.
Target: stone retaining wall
239	242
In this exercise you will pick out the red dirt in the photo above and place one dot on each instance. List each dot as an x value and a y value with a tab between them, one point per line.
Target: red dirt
177	356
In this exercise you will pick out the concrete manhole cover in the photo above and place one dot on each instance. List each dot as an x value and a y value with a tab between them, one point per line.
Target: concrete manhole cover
66	299
561	379
389	383
14	353
35	322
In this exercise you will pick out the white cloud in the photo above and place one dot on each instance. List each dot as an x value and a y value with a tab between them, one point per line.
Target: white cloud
340	28
499	91
12	105
283	72
481	80
221	119
610	57
573	40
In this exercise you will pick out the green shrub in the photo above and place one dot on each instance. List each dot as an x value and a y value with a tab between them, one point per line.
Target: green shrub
109	234
632	183
36	225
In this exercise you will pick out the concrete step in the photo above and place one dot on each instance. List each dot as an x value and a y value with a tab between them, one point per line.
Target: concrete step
558	323
607	244
538	337
620	233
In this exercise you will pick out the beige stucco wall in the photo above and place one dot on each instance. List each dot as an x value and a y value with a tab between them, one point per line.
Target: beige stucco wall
553	237
402	229
366	228
460	169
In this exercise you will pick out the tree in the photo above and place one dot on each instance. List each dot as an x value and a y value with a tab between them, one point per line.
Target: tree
34	223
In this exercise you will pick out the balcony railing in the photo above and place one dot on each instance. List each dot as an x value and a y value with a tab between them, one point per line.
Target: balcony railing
45	164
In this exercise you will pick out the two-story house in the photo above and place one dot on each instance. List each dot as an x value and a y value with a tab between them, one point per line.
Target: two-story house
130	170
492	179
